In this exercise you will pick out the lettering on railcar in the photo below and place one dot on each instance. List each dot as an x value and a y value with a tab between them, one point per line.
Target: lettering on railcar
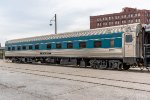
45	53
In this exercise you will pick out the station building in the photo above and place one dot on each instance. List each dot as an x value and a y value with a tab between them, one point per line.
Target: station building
2	52
126	16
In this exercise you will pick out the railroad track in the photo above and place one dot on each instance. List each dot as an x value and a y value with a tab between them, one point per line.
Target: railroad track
85	76
131	85
138	70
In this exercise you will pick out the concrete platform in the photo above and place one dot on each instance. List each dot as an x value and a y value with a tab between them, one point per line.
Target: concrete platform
47	82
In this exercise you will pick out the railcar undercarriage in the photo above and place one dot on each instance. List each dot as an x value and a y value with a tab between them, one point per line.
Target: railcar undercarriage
95	63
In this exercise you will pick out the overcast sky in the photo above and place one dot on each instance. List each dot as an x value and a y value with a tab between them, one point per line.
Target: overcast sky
26	18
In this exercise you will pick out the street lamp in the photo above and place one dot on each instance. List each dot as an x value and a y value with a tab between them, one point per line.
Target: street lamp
55	20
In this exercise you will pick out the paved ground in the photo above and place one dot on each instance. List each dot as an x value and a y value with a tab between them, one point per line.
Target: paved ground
47	82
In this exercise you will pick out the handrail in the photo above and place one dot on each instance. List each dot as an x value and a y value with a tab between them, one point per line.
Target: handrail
146	44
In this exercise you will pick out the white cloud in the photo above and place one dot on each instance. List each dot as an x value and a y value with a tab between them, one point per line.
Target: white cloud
25	18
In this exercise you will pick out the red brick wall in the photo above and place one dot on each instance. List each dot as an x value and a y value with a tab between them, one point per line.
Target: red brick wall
127	16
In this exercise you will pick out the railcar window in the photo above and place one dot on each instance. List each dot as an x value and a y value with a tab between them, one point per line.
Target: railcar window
48	46
9	48
82	44
24	48
13	48
30	47
18	48
97	44
37	46
128	38
69	45
58	46
111	43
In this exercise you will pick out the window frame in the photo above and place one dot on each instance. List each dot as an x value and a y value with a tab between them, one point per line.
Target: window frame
24	48
97	45
37	45
18	48
112	43
48	46
129	39
13	49
58	46
30	47
9	48
71	45
81	43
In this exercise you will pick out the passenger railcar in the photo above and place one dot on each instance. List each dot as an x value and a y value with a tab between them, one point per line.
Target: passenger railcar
117	47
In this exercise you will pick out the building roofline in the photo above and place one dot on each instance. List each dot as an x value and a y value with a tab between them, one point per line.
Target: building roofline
120	12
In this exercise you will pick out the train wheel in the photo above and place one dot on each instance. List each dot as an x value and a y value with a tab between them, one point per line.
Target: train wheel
82	63
126	67
94	64
97	66
121	66
13	61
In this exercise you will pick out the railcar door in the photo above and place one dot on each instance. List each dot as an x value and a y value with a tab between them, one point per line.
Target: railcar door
147	46
129	48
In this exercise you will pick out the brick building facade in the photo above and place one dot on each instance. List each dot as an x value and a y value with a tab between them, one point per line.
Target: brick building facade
127	16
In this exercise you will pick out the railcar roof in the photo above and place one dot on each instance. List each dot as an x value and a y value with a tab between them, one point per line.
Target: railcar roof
105	30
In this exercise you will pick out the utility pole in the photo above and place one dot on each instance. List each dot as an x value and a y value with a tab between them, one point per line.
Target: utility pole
55	20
